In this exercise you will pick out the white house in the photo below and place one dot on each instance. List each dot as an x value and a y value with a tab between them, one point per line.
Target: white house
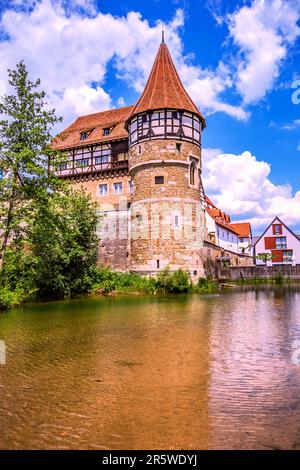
245	237
218	228
279	241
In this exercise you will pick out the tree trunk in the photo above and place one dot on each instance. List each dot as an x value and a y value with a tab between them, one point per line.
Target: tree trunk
6	232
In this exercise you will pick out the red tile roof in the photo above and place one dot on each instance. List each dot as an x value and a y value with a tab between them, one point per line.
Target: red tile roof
218	217
209	202
164	88
242	228
96	123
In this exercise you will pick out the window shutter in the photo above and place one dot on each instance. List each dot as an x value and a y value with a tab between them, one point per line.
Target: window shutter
277	256
270	243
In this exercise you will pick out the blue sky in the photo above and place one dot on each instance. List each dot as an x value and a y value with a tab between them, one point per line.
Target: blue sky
238	60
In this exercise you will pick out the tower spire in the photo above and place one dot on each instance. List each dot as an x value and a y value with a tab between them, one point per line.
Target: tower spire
164	88
162	37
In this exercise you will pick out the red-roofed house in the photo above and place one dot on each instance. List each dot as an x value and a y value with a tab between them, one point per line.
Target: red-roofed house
279	241
218	228
245	237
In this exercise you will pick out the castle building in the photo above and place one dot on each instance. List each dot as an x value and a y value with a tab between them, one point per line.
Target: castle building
142	165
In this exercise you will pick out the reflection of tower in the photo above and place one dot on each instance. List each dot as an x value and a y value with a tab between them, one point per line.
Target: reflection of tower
165	168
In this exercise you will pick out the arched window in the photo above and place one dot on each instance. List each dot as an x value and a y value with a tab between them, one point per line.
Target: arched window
192	173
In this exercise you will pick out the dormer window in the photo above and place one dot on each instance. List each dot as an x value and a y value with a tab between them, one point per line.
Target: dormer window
84	135
106	130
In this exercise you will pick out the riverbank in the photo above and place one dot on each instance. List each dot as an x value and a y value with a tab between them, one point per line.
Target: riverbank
109	282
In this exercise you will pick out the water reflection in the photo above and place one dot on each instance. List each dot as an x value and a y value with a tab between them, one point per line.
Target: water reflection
147	372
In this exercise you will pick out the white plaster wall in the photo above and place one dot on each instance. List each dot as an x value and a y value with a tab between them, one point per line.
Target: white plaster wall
227	239
247	246
292	243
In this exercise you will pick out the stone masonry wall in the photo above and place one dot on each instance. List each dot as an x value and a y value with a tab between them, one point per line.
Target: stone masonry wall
212	252
113	229
167	220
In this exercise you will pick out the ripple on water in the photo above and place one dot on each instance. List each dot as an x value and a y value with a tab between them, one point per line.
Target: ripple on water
172	372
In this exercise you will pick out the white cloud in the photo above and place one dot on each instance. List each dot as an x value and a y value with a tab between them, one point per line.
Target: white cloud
70	46
240	185
290	126
263	32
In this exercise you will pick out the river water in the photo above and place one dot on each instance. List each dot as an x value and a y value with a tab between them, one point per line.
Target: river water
172	372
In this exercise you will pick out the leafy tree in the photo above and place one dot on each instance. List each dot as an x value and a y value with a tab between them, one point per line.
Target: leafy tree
25	175
64	245
264	257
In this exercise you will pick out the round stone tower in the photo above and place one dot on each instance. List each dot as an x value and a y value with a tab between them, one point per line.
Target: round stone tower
167	214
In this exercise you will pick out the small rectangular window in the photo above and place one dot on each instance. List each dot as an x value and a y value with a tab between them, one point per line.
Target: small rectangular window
159	180
118	187
100	160
157	264
82	162
61	166
281	243
288	256
277	229
130	187
106	131
103	190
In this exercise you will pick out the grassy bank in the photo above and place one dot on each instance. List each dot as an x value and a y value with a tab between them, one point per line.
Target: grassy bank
166	281
108	282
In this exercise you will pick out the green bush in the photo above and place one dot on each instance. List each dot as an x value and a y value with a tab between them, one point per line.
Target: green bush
9	299
166	281
205	286
108	281
173	281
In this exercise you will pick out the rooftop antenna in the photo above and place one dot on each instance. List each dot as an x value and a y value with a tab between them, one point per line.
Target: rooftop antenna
162	37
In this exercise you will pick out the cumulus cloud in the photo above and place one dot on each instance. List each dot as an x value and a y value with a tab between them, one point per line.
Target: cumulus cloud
240	185
263	32
70	46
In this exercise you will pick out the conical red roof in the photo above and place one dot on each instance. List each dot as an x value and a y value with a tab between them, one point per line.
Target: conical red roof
164	88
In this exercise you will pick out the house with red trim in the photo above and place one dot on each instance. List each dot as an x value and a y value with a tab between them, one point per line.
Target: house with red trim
279	241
